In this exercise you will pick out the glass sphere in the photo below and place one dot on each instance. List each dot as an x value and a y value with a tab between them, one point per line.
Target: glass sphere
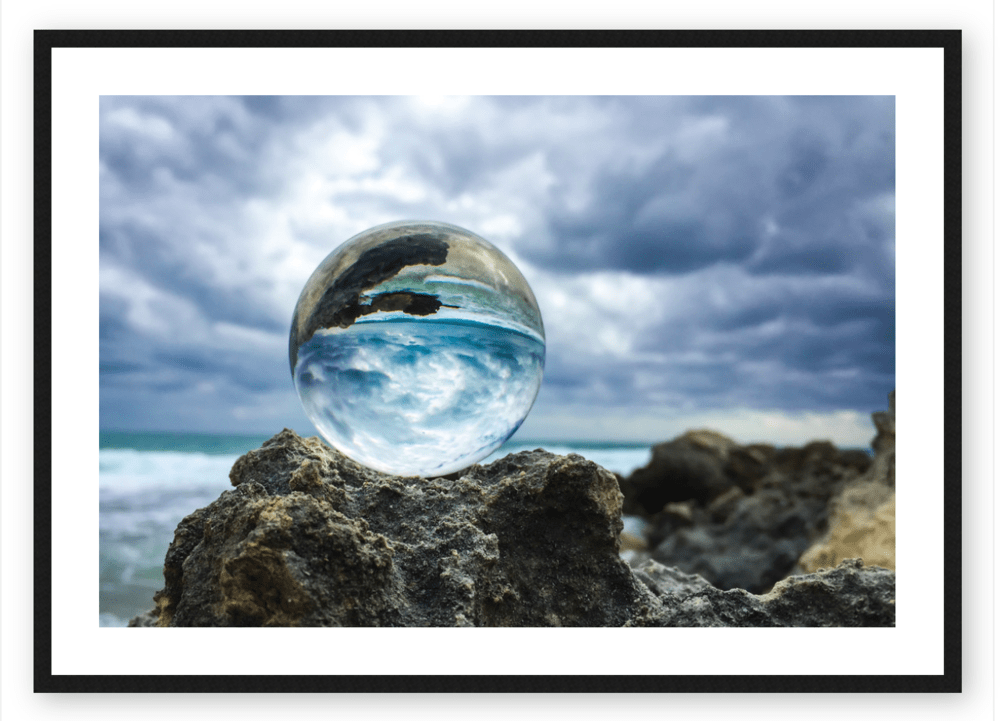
417	348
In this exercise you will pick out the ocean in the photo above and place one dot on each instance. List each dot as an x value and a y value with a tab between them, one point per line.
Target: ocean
150	481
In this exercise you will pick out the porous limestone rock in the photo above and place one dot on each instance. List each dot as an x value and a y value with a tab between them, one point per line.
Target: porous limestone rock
143	620
863	515
863	525
689	467
751	535
848	595
309	538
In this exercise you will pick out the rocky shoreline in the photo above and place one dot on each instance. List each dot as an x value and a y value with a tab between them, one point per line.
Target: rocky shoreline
734	536
749	516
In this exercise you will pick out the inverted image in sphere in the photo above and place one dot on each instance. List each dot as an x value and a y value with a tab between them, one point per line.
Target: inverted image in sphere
417	348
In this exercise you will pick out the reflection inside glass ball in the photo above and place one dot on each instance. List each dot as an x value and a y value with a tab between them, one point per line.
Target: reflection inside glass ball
417	348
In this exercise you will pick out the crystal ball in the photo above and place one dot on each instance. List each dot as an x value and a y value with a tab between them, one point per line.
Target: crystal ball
417	348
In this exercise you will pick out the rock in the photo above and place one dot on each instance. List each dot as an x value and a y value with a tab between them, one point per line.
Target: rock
144	620
848	595
309	538
884	444
757	545
747	465
689	467
885	422
863	525
725	505
632	542
708	441
863	515
681	513
668	581
751	540
743	516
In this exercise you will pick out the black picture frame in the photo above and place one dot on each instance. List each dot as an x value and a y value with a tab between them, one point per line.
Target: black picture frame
46	41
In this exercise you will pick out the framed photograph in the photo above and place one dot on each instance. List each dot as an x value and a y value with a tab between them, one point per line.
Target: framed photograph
705	220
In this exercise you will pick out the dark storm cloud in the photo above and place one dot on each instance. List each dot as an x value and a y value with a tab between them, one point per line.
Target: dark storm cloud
184	140
144	357
774	184
172	173
151	256
757	236
806	377
113	325
177	260
805	346
792	200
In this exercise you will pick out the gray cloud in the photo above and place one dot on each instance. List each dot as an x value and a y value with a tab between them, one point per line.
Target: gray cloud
774	184
687	252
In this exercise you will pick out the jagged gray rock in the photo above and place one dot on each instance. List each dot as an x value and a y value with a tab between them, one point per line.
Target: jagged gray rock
309	538
746	521
143	620
863	515
849	595
689	467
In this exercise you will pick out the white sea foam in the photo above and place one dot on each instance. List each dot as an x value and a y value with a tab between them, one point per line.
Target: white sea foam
129	471
143	496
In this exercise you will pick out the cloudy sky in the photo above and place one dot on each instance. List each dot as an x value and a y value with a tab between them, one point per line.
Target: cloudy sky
699	261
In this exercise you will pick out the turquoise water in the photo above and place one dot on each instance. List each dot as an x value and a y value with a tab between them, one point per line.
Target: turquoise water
150	481
216	444
419	397
181	442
